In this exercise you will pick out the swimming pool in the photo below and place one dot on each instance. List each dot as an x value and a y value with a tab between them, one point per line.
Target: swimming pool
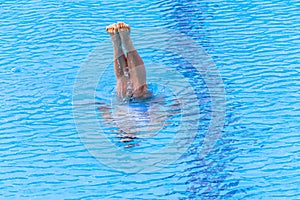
254	46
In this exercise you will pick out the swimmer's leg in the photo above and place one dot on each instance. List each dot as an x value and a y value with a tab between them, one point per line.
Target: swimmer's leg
120	63
135	63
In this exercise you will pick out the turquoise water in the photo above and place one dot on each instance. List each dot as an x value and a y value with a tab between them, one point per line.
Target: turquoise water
255	47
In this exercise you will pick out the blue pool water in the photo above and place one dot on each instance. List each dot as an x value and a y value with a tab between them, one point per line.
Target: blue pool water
255	46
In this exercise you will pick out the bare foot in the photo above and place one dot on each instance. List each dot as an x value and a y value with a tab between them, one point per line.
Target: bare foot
124	31
112	29
123	27
114	34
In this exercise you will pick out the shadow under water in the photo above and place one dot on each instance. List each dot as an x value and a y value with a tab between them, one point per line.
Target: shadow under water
139	118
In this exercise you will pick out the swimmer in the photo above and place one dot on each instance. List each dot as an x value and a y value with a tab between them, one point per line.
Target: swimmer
130	69
130	73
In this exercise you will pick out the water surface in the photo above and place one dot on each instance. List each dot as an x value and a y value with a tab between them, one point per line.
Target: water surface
255	46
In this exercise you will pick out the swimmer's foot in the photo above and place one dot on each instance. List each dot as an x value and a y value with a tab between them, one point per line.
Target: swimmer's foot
123	27
124	32
112	29
113	32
